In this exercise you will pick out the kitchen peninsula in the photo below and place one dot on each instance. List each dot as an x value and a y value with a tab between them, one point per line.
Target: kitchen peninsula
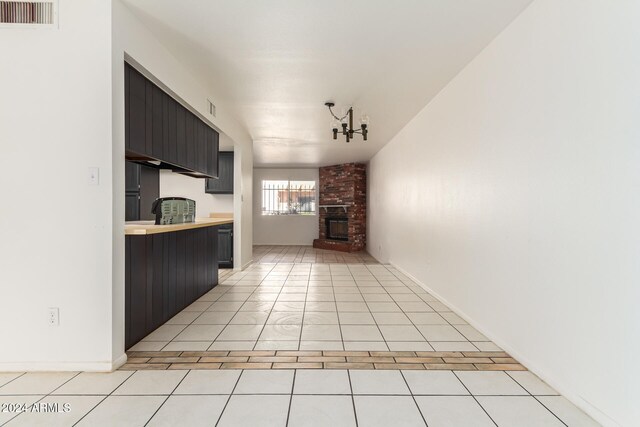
167	267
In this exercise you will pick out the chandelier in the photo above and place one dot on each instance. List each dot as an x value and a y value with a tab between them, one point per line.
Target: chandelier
345	123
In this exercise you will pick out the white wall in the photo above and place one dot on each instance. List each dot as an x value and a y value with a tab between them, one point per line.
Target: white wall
175	184
514	196
284	229
55	245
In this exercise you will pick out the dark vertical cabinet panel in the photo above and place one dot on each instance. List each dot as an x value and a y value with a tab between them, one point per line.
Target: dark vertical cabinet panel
132	176
181	137
132	207
127	290
157	124
201	143
148	119
157	278
172	278
164	273
148	287
225	246
190	141
213	255
127	110
224	183
158	128
180	270
190	278
137	257
142	188
149	191
165	127
213	156
172	131
136	112
132	194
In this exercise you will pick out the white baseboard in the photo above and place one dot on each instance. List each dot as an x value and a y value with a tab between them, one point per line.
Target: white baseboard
573	397
63	366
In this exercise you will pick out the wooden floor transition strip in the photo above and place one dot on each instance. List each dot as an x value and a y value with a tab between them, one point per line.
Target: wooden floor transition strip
286	359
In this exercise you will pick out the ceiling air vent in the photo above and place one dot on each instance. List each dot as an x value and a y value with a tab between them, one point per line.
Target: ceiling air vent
212	108
27	13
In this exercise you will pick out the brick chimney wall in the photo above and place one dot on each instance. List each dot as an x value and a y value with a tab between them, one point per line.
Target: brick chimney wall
345	184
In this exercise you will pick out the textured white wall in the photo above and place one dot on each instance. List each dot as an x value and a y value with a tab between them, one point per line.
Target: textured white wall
56	229
174	184
284	229
514	196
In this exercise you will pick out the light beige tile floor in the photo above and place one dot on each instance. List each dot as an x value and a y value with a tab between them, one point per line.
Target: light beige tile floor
289	301
287	398
335	310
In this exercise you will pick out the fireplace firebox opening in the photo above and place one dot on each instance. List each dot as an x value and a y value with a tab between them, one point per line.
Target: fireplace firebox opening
337	229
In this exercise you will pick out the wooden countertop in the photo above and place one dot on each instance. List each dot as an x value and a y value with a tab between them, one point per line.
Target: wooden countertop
143	228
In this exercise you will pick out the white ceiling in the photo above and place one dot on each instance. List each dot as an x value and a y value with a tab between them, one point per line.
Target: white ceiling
276	62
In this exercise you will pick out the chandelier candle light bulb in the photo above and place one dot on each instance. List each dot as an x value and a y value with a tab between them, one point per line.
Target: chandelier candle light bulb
346	122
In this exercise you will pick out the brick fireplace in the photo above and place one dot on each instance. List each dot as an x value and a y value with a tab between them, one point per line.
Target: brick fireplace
342	221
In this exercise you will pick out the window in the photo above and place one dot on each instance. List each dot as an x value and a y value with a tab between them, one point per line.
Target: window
288	197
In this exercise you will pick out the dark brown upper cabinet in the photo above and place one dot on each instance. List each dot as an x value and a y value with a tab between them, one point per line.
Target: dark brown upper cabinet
213	143
224	183
159	131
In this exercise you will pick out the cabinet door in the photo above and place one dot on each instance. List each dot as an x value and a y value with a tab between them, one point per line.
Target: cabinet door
136	113
138	292
157	123
132	176
190	141
149	191
165	128
225	246
181	137
213	160
132	207
172	131
201	147
148	118
224	183
126	106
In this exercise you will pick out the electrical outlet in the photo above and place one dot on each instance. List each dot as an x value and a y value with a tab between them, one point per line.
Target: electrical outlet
54	316
94	176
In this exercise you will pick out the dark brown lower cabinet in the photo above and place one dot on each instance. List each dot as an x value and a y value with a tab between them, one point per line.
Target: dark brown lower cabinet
166	272
225	246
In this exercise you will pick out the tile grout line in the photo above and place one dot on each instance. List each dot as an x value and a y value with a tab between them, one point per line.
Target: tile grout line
474	398
234	313
105	397
531	395
405	313
293	385
167	398
333	291
304	313
371	312
274	303
434	310
224	408
413	397
353	399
